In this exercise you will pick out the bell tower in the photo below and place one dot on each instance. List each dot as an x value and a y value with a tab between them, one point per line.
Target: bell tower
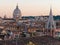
51	26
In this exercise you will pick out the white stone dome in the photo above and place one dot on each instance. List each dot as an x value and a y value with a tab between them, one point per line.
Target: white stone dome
17	13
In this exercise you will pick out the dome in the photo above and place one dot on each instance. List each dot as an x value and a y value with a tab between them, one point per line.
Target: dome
17	13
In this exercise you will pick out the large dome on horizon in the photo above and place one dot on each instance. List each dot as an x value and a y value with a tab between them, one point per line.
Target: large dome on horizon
17	13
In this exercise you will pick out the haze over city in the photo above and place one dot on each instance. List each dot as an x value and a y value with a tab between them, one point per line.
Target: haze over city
29	7
29	22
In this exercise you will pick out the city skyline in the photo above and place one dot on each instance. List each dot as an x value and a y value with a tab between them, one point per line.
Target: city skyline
29	7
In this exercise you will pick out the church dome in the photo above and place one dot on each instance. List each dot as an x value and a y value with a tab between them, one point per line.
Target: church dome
17	13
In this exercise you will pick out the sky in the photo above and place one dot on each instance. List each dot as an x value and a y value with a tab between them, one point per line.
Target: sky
29	7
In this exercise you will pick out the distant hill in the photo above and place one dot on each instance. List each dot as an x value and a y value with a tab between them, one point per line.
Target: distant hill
33	17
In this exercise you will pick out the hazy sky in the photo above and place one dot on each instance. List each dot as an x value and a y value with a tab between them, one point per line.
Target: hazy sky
29	7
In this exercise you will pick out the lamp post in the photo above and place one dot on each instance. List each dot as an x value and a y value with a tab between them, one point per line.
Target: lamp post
16	41
17	36
5	40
